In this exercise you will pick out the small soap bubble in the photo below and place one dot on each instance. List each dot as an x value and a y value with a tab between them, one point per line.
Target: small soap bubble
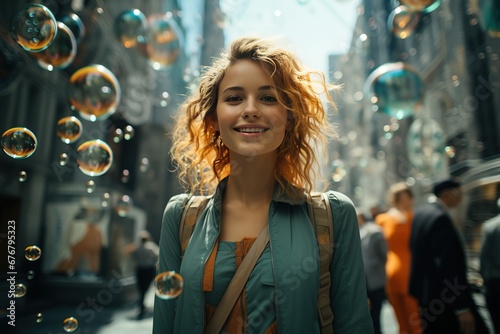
39	317
20	290
168	285
19	143
63	159
117	136
23	176
70	324
69	129
144	165
32	253
90	186
123	205
31	274
129	132
34	27
95	92
94	157
125	176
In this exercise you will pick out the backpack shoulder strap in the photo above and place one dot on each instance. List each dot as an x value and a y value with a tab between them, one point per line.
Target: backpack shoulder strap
320	214
192	209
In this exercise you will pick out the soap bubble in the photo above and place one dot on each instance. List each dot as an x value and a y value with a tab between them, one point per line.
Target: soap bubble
90	186
31	274
18	143
130	27
20	290
75	24
23	176
162	43
39	318
403	21
168	285
32	253
69	129
123	205
129	132
63	159
70	324
61	51
95	92
397	88
117	136
34	27
94	157
425	6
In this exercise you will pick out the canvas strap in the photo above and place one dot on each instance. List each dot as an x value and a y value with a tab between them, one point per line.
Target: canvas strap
236	285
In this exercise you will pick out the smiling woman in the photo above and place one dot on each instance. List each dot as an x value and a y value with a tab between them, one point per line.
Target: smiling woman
247	138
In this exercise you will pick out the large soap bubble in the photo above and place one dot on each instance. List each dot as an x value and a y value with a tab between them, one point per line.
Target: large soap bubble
34	27
130	27
60	52
426	145
94	157
397	89
95	92
18	143
162	44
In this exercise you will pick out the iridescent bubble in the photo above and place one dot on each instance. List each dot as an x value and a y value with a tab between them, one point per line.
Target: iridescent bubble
397	88
20	290
39	317
23	176
125	176
117	136
31	274
90	186
426	146
32	253
69	129
70	324
33	27
61	51
75	24
129	132
94	157
162	44
130	27
123	205
18	143
63	159
403	21
425	6
168	285
95	92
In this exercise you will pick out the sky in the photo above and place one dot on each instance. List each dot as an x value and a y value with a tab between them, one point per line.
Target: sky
314	29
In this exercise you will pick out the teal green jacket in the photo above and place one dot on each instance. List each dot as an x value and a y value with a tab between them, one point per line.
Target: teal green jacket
293	247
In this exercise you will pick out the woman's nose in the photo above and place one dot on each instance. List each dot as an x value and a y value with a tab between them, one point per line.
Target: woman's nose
251	109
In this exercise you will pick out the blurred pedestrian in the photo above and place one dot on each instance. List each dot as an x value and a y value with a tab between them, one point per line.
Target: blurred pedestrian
145	256
374	250
490	268
438	276
396	224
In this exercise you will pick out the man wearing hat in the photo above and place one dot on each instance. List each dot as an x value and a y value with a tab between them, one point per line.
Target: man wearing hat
438	271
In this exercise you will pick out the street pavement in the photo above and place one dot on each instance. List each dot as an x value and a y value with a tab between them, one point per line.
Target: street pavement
116	319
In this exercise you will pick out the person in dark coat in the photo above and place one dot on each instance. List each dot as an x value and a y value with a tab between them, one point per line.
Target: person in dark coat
438	272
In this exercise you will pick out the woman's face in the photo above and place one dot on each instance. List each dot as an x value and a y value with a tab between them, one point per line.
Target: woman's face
250	120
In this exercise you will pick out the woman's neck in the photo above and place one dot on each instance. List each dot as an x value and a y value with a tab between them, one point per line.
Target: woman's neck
251	180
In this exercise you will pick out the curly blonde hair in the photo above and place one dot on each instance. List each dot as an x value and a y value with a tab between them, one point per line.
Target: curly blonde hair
201	162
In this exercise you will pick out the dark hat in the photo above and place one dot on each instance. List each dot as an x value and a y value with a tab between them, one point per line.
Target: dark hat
440	186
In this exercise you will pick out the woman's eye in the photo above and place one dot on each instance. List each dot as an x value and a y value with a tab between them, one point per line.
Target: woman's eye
269	98
233	98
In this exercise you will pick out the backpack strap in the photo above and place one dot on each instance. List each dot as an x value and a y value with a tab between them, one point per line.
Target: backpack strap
320	214
192	209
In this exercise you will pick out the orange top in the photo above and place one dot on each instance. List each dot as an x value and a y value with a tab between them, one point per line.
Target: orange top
397	231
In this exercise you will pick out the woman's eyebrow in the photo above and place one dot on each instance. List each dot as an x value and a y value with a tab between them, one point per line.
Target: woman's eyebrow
240	89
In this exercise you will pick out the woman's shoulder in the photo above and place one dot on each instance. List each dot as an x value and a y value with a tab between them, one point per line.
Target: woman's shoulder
338	199
176	203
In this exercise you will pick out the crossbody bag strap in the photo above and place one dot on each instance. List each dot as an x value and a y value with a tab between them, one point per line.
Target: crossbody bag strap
192	209
320	214
236	285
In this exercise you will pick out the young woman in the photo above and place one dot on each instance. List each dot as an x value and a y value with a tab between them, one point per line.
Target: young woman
248	136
